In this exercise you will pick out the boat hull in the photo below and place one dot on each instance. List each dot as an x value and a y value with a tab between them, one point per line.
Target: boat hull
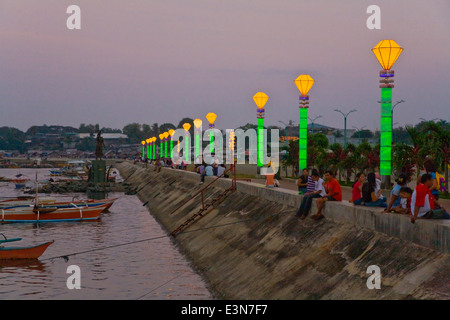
57	215
32	252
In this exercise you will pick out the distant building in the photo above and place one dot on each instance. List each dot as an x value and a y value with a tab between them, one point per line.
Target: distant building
108	138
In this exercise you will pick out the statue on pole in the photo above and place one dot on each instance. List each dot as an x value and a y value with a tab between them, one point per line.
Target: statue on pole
99	146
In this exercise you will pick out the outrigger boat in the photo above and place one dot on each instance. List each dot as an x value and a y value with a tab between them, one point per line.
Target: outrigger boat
50	202
14	253
40	213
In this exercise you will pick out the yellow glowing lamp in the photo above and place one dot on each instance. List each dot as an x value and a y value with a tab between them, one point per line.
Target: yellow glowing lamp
143	142
304	82
166	135
260	99
186	126
171	132
198	123
161	136
211	117
148	140
387	52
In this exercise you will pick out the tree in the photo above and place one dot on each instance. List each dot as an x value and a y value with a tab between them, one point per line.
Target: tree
86	144
134	133
12	139
363	134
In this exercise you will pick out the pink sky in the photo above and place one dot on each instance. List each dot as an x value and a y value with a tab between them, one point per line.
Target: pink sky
160	61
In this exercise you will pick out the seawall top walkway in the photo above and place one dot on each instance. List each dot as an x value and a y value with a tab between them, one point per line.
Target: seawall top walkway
433	234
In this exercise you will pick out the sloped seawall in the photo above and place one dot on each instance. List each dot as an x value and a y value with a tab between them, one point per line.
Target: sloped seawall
252	247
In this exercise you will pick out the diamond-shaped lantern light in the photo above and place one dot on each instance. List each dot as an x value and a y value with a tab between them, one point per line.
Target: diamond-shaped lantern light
260	99
186	126
143	142
387	52
304	82
198	123
166	135
171	132
211	117
161	136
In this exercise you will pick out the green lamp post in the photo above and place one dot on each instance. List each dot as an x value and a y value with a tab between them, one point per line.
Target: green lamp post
260	99
304	83
387	52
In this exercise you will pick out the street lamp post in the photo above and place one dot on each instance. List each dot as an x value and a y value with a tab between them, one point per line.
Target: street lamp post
285	128
198	130
211	117
312	122
260	99
171	132
393	107
345	124
304	83
187	145
359	133
386	52
161	145
143	149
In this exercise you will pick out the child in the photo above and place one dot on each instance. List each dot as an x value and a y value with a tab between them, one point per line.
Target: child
404	206
394	199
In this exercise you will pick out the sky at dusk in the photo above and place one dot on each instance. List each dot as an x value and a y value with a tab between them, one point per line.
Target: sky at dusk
162	60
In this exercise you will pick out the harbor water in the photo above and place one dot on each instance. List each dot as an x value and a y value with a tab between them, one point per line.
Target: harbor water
149	269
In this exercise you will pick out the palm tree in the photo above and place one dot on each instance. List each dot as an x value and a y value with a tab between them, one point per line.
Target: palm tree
440	143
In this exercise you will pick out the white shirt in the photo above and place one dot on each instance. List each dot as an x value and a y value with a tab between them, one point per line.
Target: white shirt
377	188
319	186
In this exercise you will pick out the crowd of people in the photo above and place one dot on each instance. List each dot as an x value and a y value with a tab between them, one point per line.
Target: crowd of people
419	201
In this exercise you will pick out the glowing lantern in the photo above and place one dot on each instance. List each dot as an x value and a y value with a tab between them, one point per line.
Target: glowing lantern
387	52
211	117
304	82
260	99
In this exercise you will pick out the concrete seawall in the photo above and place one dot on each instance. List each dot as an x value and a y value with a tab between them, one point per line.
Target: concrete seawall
250	246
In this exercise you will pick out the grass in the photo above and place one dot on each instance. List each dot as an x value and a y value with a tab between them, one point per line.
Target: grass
444	196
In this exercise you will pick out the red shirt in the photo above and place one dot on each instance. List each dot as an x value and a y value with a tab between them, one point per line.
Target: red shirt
421	193
356	193
334	188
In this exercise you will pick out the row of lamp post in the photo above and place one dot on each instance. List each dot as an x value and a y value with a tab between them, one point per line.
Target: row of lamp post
386	52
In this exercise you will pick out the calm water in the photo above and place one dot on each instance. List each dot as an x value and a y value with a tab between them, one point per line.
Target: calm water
146	270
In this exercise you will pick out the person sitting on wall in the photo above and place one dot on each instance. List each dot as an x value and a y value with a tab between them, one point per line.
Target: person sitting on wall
208	172
371	194
302	182
333	193
357	189
319	192
394	199
404	206
423	204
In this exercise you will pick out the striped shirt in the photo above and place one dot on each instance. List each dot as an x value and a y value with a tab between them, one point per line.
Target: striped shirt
310	187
